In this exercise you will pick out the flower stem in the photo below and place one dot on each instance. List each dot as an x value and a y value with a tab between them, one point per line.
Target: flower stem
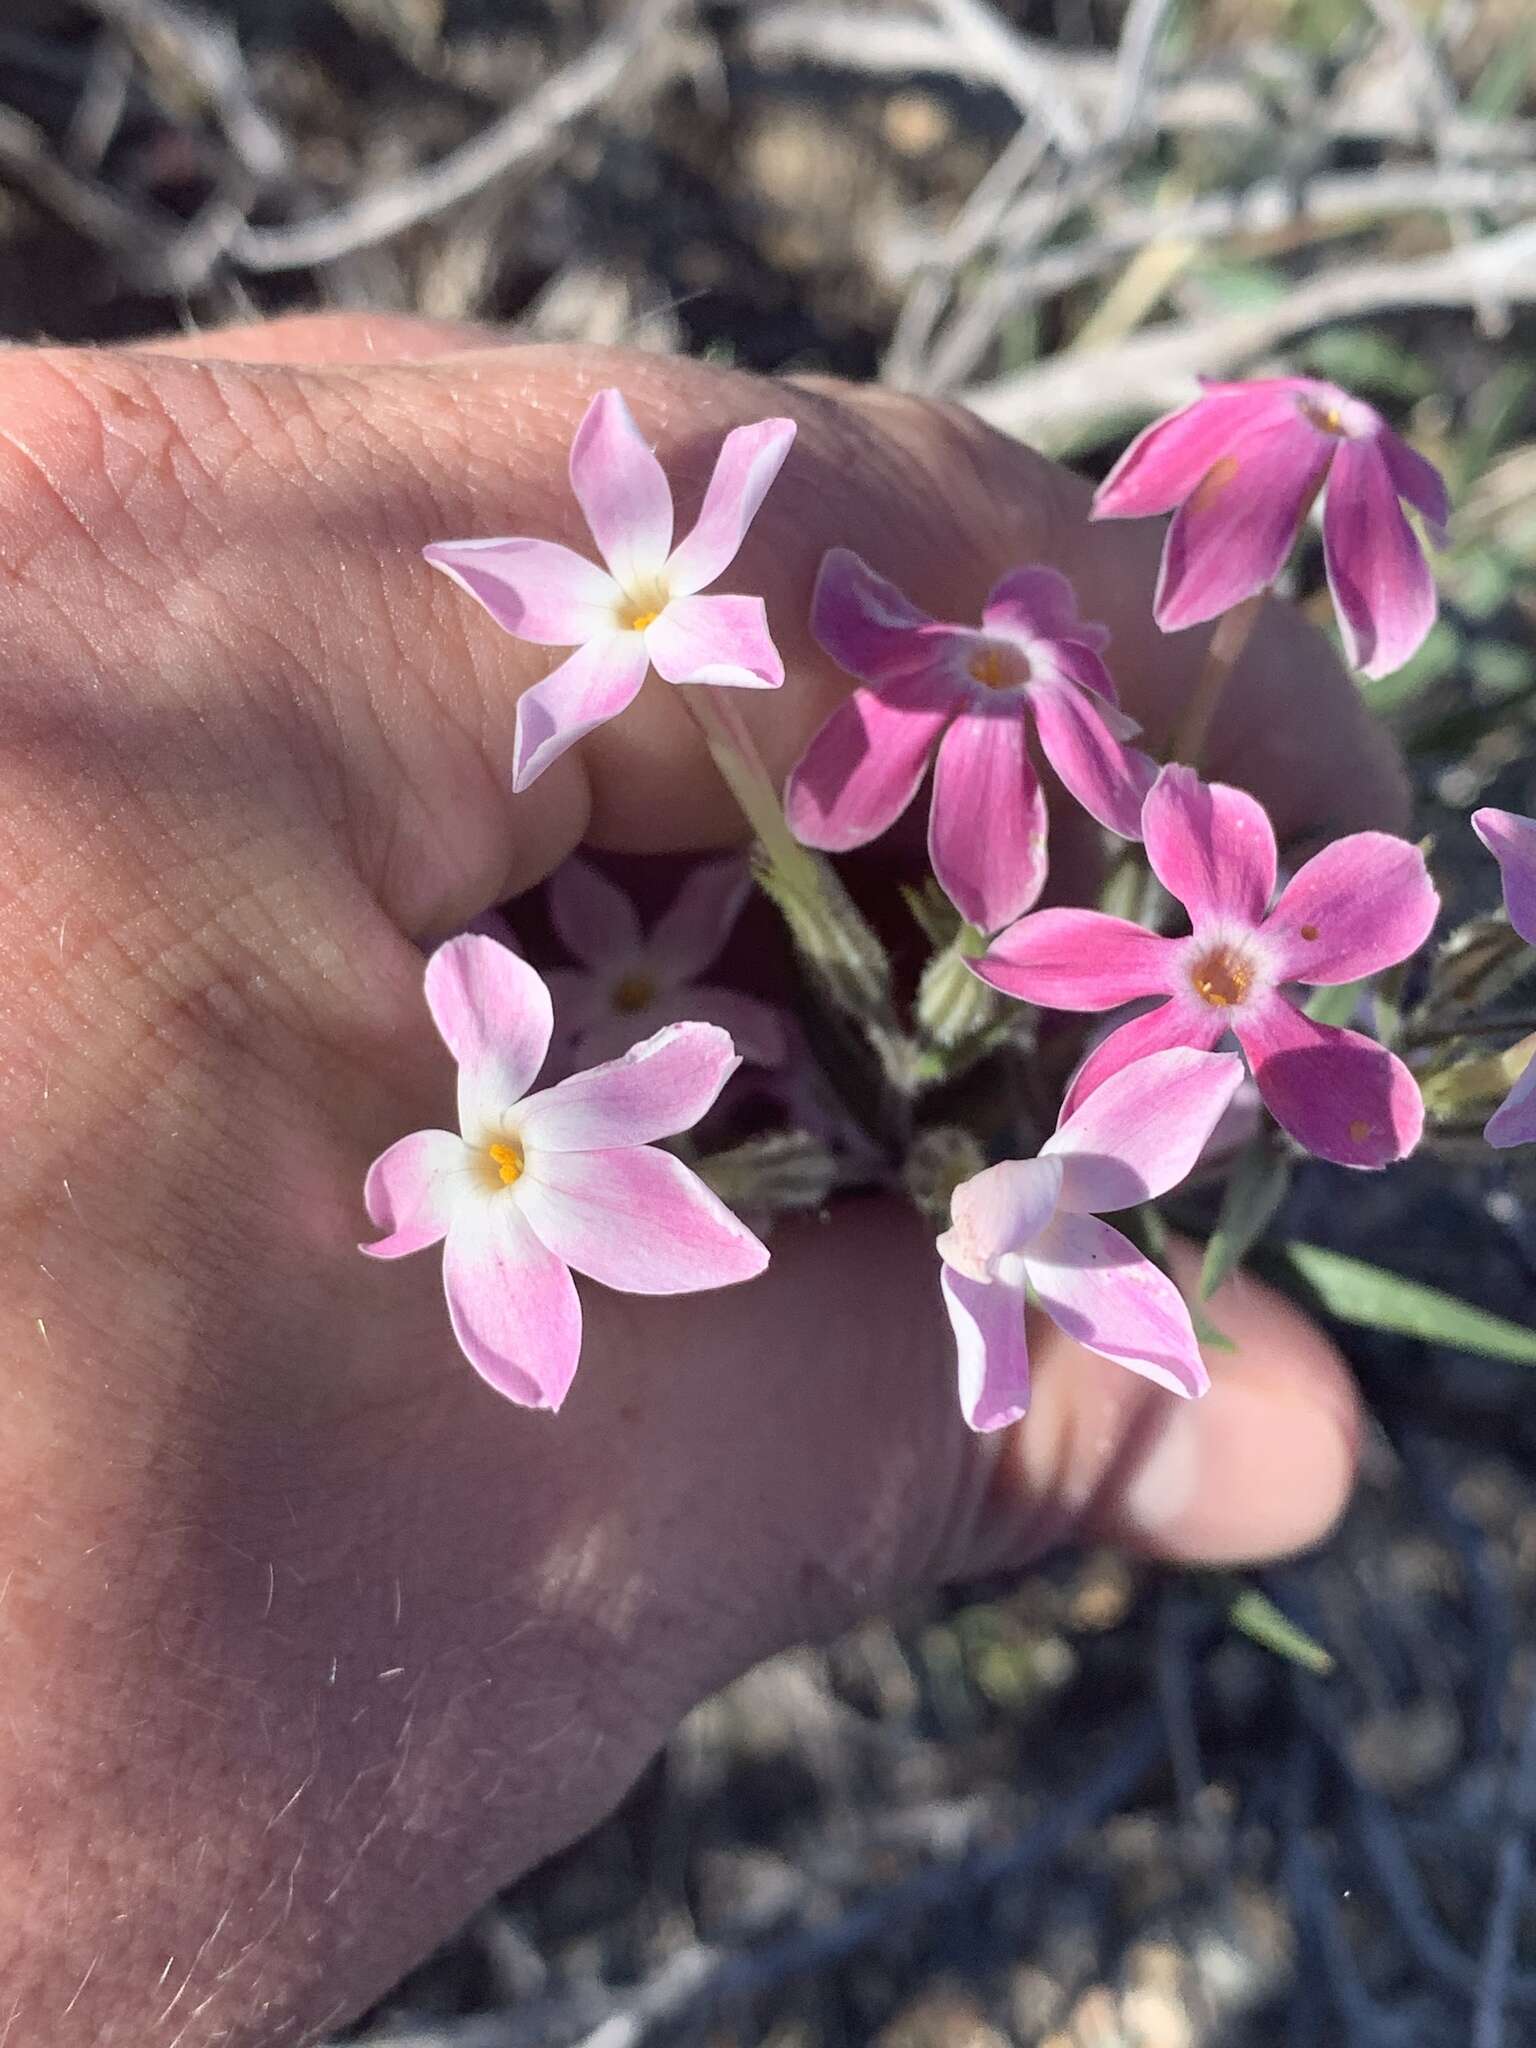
834	938
1234	629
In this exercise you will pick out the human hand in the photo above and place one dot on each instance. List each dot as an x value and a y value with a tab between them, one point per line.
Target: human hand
311	1641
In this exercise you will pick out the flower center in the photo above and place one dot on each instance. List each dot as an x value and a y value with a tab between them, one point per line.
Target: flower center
998	668
1325	417
1221	977
508	1161
633	993
642	607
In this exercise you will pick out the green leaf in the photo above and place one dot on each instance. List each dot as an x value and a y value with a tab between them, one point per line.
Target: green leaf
1380	1300
1257	1616
1149	1233
1253	1194
1336	1005
1364	358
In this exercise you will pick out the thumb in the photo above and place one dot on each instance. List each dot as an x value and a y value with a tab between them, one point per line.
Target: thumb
801	1457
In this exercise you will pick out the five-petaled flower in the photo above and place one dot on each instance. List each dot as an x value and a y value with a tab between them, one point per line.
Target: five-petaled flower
631	982
644	610
532	1186
1360	905
1243	465
1034	1225
968	692
1511	840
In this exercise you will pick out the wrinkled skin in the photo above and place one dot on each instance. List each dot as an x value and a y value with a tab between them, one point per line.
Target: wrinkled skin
309	1640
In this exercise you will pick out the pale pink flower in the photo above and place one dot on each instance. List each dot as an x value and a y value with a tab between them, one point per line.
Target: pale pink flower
1032	1226
534	1186
644	610
631	981
1243	465
1360	905
969	694
1511	840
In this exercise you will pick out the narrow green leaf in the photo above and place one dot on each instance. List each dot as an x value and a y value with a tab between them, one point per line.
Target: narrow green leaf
1257	1616
1149	1233
1253	1194
1379	1300
1336	1005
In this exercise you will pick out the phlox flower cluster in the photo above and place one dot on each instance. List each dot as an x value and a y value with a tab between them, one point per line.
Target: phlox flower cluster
537	1184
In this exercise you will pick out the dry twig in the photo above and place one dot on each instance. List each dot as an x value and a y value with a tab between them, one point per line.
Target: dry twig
514	142
1063	404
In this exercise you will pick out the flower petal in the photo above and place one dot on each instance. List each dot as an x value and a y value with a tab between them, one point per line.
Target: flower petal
413	1189
660	1087
987	828
987	1317
1511	840
691	932
722	640
593	685
1077	960
864	766
1192	1024
1108	779
757	1029
1231	536
1099	1290
1169	460
578	997
512	1303
623	491
1514	1121
1382	587
1362	904
593	919
1211	846
868	626
638	1220
495	1016
1141	1131
749	460
1338	1094
998	1211
534	588
1418	481
1039	603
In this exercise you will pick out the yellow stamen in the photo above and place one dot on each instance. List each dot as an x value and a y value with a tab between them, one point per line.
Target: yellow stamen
508	1161
997	668
1221	977
641	620
1327	418
633	993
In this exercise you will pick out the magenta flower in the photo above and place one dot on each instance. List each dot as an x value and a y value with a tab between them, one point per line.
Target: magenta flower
644	610
1358	906
1511	840
630	982
1243	465
968	693
532	1186
1033	1226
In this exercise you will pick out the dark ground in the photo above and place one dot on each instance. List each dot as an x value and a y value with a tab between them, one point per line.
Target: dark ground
1081	1812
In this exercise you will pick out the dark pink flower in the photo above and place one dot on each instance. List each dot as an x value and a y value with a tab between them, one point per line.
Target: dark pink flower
1511	840
532	1185
1243	464
969	694
643	610
1360	905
